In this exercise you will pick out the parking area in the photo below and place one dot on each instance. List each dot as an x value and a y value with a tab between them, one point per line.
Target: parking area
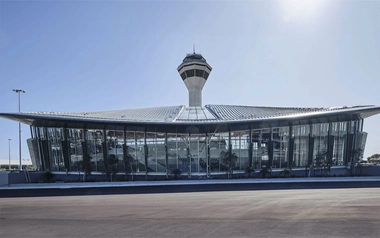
353	212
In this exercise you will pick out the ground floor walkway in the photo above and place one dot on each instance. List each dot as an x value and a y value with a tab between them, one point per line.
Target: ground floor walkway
167	186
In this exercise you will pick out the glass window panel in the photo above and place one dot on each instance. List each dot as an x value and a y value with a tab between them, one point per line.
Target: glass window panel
160	152
264	148
340	136
320	134
223	147
301	146
256	153
114	141
152	152
206	75
55	149
140	152
217	145
76	154
190	73
202	155
199	73
194	153
240	146
94	147
280	146
132	151
183	76
118	149
172	152
182	153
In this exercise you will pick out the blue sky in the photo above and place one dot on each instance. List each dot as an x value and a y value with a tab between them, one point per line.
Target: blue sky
72	56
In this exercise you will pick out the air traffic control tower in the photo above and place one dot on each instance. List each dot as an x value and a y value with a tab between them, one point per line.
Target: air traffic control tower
194	72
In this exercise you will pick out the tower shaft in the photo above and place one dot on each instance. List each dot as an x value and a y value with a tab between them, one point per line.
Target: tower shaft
195	97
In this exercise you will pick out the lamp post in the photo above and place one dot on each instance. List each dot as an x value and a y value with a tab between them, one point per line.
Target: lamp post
18	91
9	152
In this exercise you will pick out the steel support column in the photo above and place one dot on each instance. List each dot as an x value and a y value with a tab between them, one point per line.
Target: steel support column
65	144
126	156
146	151
39	145
291	148
104	149
166	155
270	149
330	146
86	159
348	147
188	155
207	156
45	149
250	149
311	146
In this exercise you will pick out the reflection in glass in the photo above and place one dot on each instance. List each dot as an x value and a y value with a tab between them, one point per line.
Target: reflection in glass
301	145
195	153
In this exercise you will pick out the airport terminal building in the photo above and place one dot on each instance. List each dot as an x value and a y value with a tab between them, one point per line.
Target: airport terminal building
194	138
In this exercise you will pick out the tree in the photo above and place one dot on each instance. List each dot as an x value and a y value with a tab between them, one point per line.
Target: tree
356	154
228	160
47	177
322	163
375	158
128	161
85	165
264	172
286	173
110	165
176	173
249	171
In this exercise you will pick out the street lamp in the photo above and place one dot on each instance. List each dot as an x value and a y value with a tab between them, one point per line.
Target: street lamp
18	91
9	147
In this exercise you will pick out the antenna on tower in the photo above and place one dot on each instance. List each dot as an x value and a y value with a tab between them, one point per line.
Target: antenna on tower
193	48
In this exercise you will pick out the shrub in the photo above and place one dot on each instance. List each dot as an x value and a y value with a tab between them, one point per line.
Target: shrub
47	177
176	173
286	173
265	172
249	171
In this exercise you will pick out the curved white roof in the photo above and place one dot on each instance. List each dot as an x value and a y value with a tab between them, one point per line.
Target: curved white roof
208	113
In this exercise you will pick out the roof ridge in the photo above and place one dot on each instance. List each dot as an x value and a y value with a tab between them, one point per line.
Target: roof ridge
264	106
179	113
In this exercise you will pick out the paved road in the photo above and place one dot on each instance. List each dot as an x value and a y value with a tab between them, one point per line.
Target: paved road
353	212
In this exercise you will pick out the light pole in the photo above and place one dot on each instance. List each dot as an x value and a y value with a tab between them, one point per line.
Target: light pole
9	152
18	91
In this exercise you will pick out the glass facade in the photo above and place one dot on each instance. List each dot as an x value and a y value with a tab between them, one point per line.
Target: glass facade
150	152
339	135
301	146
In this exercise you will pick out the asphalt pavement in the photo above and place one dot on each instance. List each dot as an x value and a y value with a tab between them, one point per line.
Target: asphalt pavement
344	212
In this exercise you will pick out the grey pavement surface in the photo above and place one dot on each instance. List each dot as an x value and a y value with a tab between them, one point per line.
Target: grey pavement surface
353	212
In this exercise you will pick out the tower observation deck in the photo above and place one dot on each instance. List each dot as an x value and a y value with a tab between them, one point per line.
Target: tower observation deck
194	72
